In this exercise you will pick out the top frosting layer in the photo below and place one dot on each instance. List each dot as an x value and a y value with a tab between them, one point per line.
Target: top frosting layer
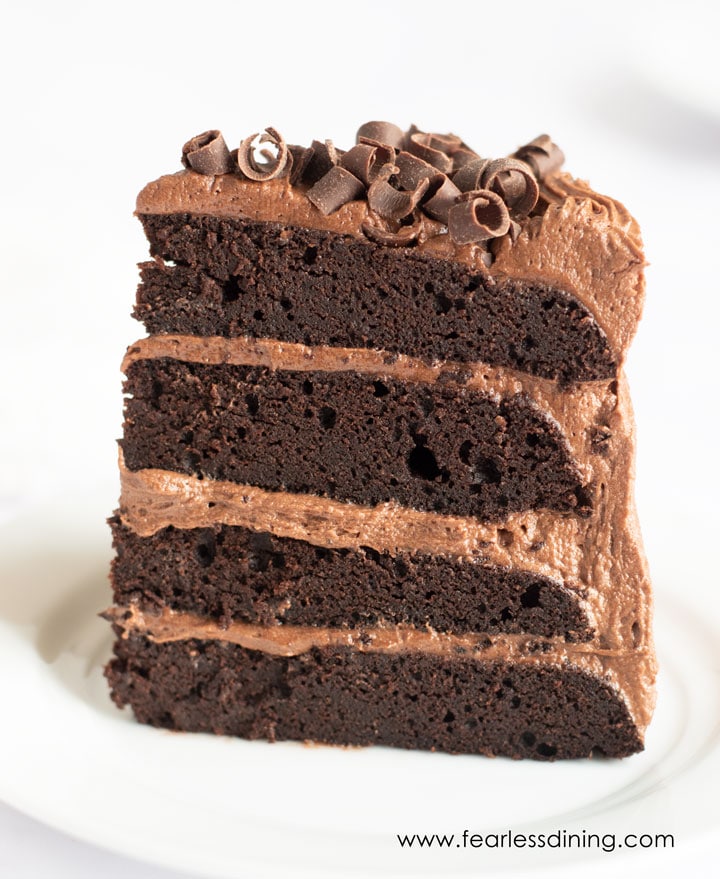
517	217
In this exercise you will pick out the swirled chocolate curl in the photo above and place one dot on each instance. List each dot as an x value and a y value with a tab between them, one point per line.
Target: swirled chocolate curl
478	216
365	160
543	156
462	156
514	182
399	236
335	189
443	195
274	164
324	157
391	203
411	170
381	133
300	157
422	145
207	153
470	175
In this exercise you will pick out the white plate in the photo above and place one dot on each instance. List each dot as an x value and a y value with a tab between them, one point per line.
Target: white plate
229	808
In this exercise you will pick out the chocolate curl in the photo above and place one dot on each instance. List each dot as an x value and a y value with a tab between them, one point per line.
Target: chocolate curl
324	157
207	153
411	170
365	160
335	189
446	143
401	236
391	203
542	155
443	197
381	133
274	164
514	182
479	216
301	157
462	157
469	176
422	145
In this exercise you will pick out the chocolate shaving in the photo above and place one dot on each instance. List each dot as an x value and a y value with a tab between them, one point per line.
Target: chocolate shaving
411	170
423	146
381	133
400	236
446	143
514	182
390	203
470	175
543	156
462	156
365	160
207	153
274	164
443	197
324	157
478	216
335	189
301	157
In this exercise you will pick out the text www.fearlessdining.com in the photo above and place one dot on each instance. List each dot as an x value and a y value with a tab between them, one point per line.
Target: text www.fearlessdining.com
560	839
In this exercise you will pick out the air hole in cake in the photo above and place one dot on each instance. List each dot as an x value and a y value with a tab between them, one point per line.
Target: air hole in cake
546	750
327	417
310	255
442	304
186	437
381	389
636	633
422	463
252	403
286	304
531	596
528	739
505	537
532	440
465	450
372	554
505	614
515	702
401	569
242	433
307	387
485	471
258	315
449	717
205	549
231	290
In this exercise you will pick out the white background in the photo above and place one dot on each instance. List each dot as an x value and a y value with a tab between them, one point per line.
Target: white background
97	99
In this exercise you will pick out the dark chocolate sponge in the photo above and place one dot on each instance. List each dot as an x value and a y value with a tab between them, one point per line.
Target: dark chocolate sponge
437	447
233	574
237	278
338	696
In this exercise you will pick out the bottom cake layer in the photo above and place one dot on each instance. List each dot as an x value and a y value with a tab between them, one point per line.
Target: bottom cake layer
337	695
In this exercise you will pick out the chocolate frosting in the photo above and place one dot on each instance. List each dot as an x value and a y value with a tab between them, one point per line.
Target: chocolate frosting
601	554
434	193
584	243
623	669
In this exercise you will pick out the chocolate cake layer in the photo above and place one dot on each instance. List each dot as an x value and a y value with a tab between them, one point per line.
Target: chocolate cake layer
410	700
436	447
234	573
234	277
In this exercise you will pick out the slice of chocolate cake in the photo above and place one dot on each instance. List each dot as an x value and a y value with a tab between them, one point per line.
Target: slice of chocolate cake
377	461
